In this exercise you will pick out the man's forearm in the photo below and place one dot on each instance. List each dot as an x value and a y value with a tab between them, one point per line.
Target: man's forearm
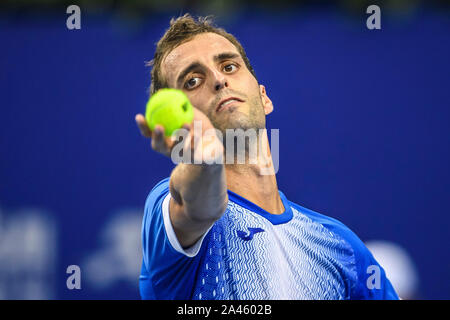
201	189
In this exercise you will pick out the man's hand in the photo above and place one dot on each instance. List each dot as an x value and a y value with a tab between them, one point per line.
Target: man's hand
164	145
160	143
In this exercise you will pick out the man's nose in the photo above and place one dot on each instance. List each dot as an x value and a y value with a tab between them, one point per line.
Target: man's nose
220	81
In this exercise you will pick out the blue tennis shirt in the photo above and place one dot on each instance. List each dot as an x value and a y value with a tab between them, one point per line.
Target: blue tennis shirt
252	254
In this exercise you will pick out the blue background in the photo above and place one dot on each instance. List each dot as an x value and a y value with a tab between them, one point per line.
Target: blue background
363	118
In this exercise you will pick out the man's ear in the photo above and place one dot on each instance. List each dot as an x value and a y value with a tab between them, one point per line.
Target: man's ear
267	103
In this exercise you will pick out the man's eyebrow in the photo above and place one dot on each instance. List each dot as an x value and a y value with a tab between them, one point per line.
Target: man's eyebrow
191	67
226	55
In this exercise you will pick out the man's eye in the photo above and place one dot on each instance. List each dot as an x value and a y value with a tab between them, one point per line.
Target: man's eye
229	68
192	83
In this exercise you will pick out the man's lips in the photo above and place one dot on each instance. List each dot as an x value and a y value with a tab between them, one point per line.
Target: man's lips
228	101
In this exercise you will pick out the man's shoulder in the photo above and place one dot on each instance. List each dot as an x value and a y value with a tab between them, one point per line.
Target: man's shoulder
153	208
160	189
362	258
334	226
161	186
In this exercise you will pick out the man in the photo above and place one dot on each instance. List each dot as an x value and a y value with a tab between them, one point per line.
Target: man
216	230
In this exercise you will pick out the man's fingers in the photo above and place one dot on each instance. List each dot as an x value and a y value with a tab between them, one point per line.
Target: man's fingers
159	141
142	125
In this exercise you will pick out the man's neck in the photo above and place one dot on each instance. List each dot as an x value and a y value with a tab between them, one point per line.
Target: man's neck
255	179
262	190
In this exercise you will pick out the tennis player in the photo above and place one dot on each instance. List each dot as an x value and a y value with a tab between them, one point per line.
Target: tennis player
220	230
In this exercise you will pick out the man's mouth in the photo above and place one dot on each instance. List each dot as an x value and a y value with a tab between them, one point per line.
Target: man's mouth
227	102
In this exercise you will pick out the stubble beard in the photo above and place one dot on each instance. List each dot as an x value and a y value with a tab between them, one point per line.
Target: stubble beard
238	121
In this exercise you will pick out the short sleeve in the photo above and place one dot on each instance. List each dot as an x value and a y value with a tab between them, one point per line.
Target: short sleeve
372	282
367	279
168	271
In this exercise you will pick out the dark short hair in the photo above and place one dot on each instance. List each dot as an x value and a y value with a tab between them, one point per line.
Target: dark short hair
183	29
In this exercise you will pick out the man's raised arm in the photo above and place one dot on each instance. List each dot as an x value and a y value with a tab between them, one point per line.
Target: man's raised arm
199	191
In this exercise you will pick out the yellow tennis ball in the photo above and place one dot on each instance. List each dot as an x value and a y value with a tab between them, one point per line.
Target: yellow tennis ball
170	108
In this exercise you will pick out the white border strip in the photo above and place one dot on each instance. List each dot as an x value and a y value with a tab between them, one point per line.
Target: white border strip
190	252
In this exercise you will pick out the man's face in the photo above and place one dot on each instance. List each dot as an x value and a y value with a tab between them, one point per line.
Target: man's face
210	70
